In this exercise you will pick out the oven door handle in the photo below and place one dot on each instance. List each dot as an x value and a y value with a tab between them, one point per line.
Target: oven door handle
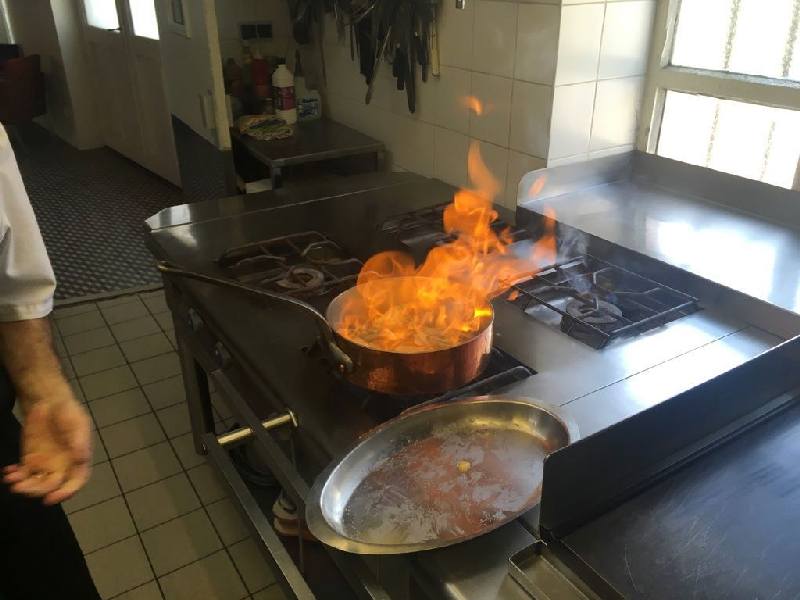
287	574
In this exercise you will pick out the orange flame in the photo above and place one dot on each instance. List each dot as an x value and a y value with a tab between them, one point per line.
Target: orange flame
473	104
445	301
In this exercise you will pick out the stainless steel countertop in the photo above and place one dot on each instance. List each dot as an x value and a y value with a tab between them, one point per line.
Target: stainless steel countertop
681	225
594	387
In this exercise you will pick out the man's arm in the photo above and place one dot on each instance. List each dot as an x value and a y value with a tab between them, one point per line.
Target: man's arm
26	351
56	440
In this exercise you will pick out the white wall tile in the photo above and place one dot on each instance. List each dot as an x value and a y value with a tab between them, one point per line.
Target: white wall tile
616	112
531	107
229	14
579	43
494	37
494	95
449	99
456	34
518	165
450	160
496	160
537	43
343	75
572	119
413	145
626	38
568	160
610	151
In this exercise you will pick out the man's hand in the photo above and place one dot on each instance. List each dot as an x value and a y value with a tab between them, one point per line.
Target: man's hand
56	432
56	451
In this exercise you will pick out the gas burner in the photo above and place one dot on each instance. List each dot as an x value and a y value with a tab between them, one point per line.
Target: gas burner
594	311
298	278
322	253
307	265
423	229
596	302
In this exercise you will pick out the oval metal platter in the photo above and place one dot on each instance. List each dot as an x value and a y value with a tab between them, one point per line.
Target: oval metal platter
436	476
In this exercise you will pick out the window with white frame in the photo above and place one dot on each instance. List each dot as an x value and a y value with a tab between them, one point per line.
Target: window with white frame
724	87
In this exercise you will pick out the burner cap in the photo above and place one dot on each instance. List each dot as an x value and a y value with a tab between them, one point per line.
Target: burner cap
595	311
299	278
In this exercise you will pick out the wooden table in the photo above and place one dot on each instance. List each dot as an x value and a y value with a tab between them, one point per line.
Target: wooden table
313	141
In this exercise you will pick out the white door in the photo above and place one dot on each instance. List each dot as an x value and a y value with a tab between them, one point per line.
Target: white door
123	44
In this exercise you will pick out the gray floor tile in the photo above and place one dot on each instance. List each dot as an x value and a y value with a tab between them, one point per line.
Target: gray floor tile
61	349
62	312
208	484
273	592
77	390
157	368
108	382
180	542
124	312
88	340
184	448
133	434
117	301
148	591
146	347
161	501
165	392
130	330
119	567
102	485
102	524
213	578
98	450
146	466
165	320
119	407
175	419
171	337
228	522
98	360
155	301
67	369
80	323
248	559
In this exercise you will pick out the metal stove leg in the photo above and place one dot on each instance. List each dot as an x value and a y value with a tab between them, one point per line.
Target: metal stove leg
198	398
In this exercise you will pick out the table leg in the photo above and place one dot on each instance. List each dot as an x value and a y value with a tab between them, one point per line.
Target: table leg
275	176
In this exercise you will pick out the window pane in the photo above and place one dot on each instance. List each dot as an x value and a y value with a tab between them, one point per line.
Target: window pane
145	23
757	142
102	13
740	36
701	34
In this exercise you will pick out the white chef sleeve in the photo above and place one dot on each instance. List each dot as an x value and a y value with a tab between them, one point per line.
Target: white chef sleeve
27	282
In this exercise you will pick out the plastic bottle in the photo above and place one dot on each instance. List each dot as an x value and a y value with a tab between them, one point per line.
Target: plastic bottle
283	84
309	102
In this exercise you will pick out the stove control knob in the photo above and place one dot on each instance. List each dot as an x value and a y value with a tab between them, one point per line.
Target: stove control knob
195	320
221	355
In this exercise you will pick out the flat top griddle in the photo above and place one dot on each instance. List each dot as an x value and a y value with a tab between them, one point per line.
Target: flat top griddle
727	526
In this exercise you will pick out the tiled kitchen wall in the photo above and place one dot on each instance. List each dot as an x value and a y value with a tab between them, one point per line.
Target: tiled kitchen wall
559	83
231	13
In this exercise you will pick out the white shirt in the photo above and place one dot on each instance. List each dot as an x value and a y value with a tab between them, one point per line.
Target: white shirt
27	282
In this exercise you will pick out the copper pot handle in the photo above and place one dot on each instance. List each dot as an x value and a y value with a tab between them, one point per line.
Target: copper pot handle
167	268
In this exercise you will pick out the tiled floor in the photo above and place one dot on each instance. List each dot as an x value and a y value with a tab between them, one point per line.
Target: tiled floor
91	205
154	521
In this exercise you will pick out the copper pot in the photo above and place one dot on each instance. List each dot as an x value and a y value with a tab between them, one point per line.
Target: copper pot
411	373
401	373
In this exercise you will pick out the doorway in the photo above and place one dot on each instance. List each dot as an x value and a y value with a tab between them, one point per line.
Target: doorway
124	50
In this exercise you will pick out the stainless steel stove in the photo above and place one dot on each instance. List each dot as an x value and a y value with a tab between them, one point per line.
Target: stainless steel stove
640	344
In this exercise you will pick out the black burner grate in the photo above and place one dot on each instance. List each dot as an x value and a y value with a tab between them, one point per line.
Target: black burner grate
596	302
304	265
423	229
